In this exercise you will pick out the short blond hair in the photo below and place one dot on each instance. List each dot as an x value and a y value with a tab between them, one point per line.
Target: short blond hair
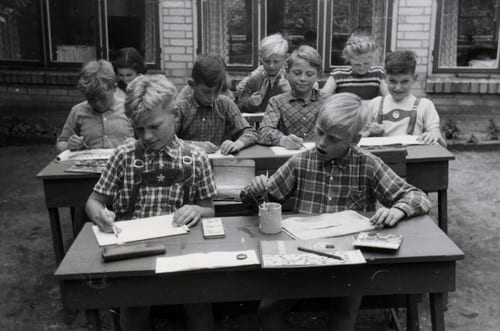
343	112
307	53
146	93
274	44
96	76
359	44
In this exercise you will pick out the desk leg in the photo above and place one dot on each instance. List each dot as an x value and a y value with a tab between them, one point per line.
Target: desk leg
437	311
55	227
93	320
443	210
412	322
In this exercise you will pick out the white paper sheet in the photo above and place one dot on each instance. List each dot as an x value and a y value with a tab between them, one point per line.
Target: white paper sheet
278	150
211	260
326	225
88	154
404	140
140	229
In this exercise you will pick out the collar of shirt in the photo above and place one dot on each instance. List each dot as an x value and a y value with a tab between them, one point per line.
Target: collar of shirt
171	149
342	163
314	97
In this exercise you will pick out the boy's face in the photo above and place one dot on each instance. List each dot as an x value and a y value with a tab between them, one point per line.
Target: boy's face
101	100
273	63
332	144
156	128
361	63
126	75
205	95
302	76
400	85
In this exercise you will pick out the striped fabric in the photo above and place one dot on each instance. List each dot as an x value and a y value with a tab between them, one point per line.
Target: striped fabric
366	87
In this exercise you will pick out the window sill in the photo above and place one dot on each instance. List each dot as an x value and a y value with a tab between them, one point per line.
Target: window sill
35	77
451	85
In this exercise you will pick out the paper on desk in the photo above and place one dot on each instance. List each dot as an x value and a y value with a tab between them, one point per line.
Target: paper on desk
88	154
211	260
140	229
278	150
403	140
326	225
219	155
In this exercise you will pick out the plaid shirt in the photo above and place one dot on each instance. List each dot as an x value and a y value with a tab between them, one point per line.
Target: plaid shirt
117	180
286	114
355	181
216	123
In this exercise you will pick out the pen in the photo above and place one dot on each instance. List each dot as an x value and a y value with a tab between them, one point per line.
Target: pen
106	211
83	141
309	250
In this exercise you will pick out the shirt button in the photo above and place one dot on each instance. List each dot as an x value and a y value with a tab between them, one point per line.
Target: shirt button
203	119
304	118
331	177
105	118
105	137
329	198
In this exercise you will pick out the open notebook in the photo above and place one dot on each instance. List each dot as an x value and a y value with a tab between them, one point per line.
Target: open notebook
403	140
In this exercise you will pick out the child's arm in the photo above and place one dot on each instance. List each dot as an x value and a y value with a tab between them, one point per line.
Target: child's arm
242	133
268	128
431	137
250	99
98	213
191	214
68	139
329	87
430	119
383	88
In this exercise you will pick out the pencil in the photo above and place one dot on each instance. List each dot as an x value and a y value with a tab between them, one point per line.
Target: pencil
115	231
312	251
83	141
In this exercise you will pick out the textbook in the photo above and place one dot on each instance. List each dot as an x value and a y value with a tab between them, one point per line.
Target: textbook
88	154
210	260
378	240
88	166
278	150
326	225
310	253
403	140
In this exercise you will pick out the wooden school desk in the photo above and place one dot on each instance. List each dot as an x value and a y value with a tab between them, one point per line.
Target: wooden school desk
425	166
425	263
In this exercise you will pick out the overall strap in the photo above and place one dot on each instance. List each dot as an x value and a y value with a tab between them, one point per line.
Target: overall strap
187	162
138	169
380	115
413	117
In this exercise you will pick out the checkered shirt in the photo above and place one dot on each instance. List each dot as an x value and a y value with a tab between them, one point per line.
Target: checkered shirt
354	182
216	123
285	114
117	180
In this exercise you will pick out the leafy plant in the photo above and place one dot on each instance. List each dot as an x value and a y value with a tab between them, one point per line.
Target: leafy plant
451	129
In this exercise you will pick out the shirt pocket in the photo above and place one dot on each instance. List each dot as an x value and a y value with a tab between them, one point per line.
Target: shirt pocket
356	200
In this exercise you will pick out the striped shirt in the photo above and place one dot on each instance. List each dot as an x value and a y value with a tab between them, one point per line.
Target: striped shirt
365	86
355	182
216	123
286	114
117	180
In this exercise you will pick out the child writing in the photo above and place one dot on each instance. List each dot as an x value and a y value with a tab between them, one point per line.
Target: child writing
361	77
100	121
128	65
290	117
400	112
209	120
261	85
150	106
336	176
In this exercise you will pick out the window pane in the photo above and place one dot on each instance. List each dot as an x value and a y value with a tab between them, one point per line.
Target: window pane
132	23
364	15
295	19
469	34
20	31
72	30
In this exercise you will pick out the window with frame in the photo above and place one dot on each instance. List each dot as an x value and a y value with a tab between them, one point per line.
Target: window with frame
66	33
467	36
233	28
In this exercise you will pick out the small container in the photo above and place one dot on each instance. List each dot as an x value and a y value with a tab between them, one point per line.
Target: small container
270	218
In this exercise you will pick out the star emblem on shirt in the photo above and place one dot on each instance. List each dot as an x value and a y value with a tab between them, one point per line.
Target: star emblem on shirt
160	177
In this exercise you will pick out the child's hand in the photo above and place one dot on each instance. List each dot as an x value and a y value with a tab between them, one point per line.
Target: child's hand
105	219
76	143
187	215
388	217
291	142
207	146
431	138
229	146
375	129
284	84
255	99
258	186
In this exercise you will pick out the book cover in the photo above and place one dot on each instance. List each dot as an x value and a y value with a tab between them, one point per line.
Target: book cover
88	166
378	240
288	254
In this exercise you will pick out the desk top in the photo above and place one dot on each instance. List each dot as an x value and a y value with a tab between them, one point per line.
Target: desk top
423	241
414	154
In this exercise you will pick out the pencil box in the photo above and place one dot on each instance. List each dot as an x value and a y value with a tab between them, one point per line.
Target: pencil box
129	251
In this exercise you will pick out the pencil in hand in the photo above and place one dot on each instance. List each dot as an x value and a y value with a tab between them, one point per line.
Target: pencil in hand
115	229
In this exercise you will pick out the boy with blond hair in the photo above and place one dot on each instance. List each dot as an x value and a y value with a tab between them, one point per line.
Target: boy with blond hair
269	81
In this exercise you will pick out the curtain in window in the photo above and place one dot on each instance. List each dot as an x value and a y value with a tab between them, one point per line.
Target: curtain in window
9	39
379	20
216	37
149	32
449	31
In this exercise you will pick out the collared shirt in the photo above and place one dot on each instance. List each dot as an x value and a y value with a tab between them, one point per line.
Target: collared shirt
216	123
257	82
117	180
355	181
286	114
365	86
99	130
